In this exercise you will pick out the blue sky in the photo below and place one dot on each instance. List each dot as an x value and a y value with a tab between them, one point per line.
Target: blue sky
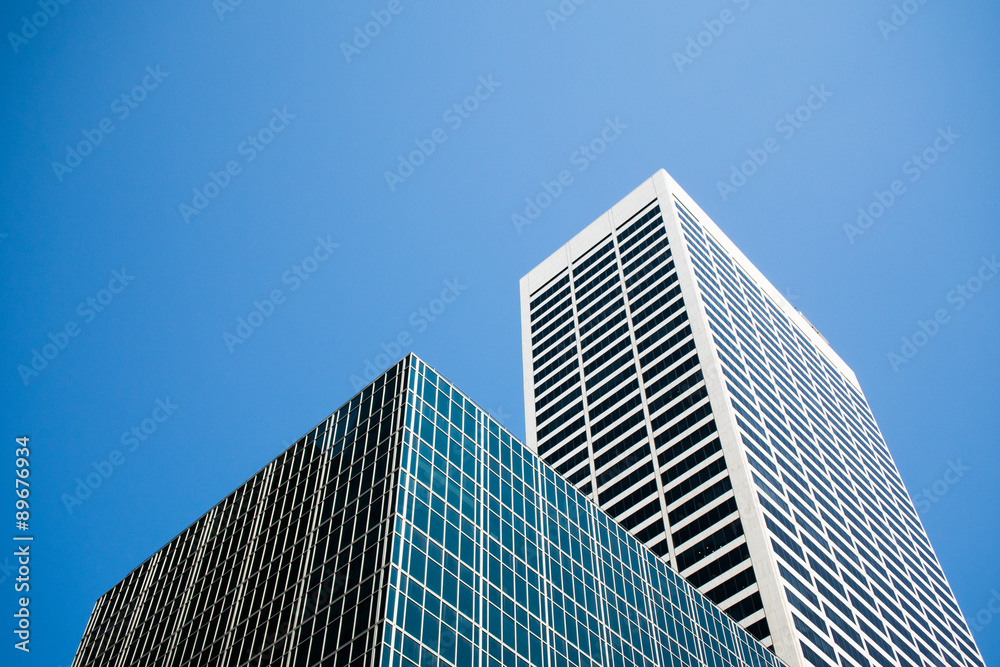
213	163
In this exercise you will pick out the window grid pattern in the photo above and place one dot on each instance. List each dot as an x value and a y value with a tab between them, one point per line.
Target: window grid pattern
635	408
861	581
498	560
409	529
289	569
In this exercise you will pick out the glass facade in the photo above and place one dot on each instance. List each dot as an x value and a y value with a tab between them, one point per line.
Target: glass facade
410	529
289	569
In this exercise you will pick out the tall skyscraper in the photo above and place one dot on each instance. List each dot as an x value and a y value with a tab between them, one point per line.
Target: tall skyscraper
668	380
409	528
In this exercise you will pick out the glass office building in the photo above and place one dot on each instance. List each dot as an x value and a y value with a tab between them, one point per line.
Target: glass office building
409	529
672	384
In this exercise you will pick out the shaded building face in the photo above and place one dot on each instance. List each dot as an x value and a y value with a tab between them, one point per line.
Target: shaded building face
292	563
409	529
679	390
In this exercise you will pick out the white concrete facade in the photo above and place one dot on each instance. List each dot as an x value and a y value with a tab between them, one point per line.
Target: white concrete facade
669	380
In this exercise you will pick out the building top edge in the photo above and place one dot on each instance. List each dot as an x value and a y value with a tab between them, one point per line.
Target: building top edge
662	184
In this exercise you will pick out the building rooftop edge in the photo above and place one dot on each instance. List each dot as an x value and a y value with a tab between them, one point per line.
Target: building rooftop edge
409	357
561	257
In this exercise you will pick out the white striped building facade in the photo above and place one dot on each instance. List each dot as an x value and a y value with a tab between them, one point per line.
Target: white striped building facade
666	378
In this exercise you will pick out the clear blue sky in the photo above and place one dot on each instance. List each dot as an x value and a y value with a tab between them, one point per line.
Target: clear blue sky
299	133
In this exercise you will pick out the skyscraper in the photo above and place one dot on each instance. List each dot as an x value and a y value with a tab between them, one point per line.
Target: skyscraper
670	382
409	528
